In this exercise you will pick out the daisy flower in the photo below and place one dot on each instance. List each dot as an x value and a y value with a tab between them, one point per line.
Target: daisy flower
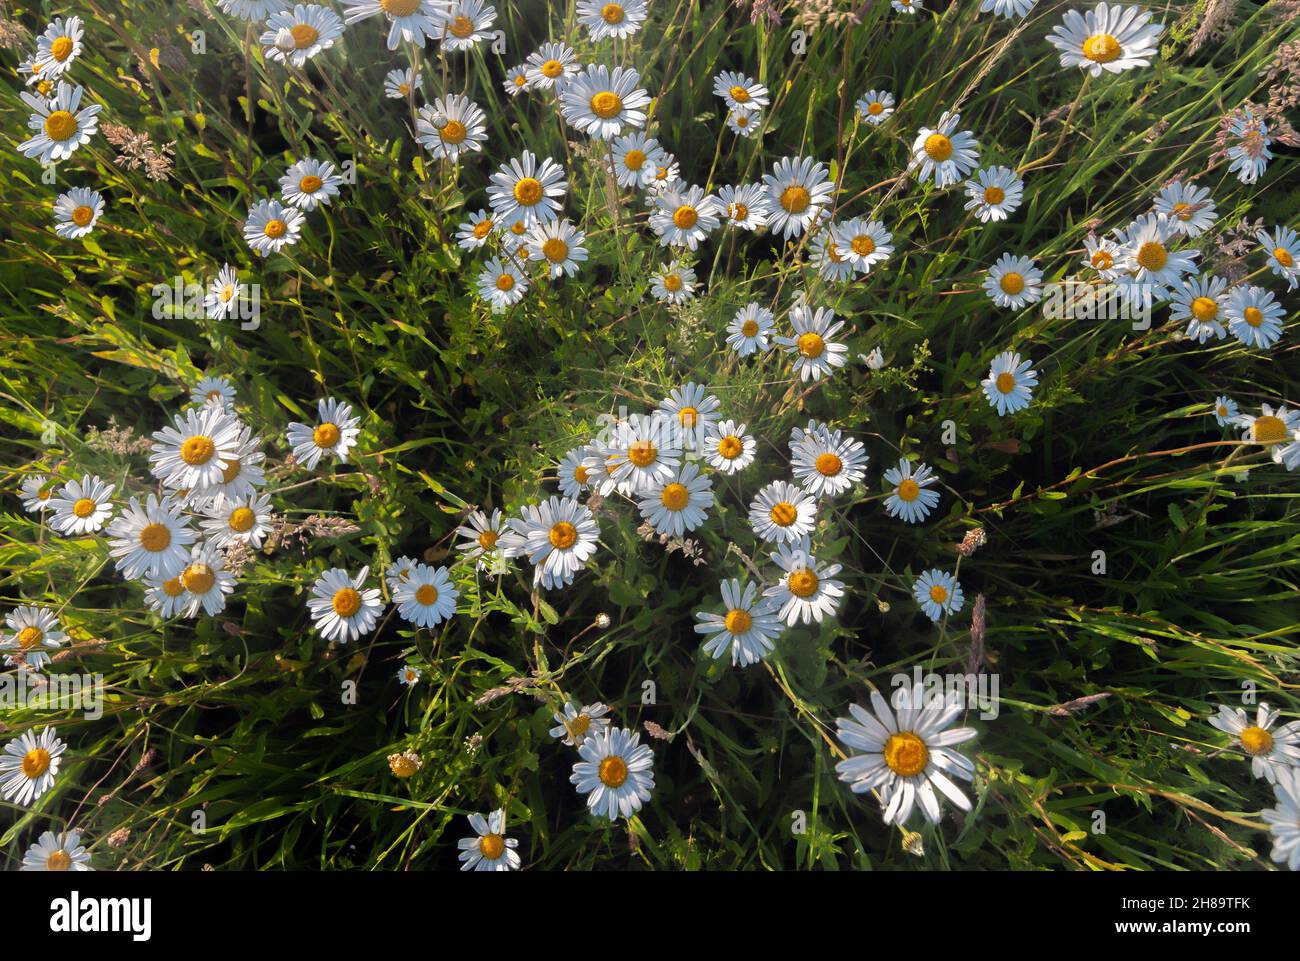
576	724
58	47
1201	301
938	594
907	6
310	183
828	465
727	448
874	360
481	531
864	243
77	212
152	540
57	852
807	590
36	493
816	354
295	36
167	597
694	410
61	124
271	226
911	499
516	80
744	121
342	609
1284	820
399	571
644	452
798	189
245	520
907	753
781	512
489	849
673	284
451	126
750	330
605	19
944	153
748	629
739	90
1271	428
524	190
601	102
414	21
475	232
745	207
994	193
829	257
502	284
1010	384
250	9
223	294
1254	316
679	505
408	675
1190	209
1010	9
560	245
1103	256
875	106
1225	411
615	772
1146	254
467	23
572	473
551	65
1014	282
32	632
1270	751
1283	249
1250	154
206	581
29	765
215	391
82	506
666	174
243	472
192	454
335	433
1108	37
636	159
399	84
427	597
559	537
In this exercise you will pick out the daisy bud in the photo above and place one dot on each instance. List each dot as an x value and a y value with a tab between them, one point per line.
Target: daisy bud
602	620
405	764
284	41
438	120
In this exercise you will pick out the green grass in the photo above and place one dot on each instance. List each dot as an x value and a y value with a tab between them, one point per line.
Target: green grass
242	716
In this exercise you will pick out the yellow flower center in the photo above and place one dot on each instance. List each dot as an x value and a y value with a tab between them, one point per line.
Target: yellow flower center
1256	741
45	87
938	147
1204	309
606	104
491	846
1283	257
58	861
60	125
1102	260
908	490
242	520
36	762
738	621
1006	382
634	159
875	108
231	470
326	435
61	48
749	328
783	514
672	283
528	191
304	35
906	754
155	538
1152	255
731	447
482	229
612	13
552	69
198	578
1268	430
310	184
685	217
402	766
739	94
738	211
487	540
863	245
518	228
453	133
613	772
939	594
563	536
1012	283
400	8
795	199
275	228
555	250
642	453
578	726
675	497
802	583
173	587
994	195
1253	316
461	27
688	416
197	450
811	345
427	595
1101	48
29	637
347	602
227	292
505	282
580	474
83	215
84	507
828	464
